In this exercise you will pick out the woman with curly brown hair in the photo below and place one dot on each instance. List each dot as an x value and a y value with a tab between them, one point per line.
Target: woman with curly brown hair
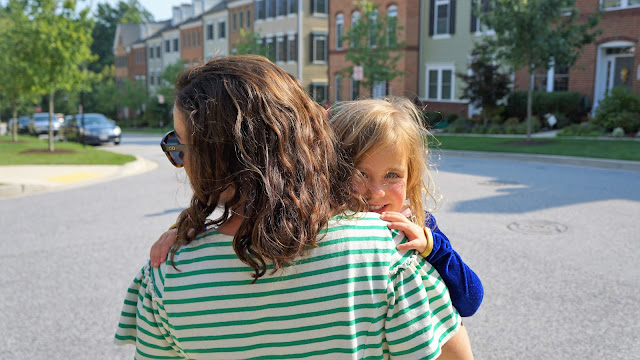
284	270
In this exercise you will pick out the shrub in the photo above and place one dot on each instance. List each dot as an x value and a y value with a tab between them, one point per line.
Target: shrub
569	103
617	132
432	119
562	120
460	125
494	129
585	129
621	99
512	121
628	121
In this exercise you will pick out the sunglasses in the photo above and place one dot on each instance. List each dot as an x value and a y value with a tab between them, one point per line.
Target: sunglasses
173	149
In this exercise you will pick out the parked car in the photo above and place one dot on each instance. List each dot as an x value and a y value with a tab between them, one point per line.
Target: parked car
91	129
40	123
23	125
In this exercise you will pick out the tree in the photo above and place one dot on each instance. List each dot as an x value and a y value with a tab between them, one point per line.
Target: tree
373	44
16	74
486	85
537	34
61	40
251	43
133	95
107	18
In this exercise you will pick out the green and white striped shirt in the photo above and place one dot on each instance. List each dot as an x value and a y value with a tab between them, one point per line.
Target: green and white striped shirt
352	297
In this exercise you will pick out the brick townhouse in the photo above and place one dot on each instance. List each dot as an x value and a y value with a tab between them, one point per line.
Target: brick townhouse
342	15
612	60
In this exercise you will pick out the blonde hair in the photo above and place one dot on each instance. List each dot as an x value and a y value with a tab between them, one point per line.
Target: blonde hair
365	126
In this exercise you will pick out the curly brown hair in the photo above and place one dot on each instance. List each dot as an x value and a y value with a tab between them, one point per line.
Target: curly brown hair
253	129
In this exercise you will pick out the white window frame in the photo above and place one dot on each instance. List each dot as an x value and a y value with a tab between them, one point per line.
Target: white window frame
316	13
624	4
280	41
392	12
446	34
339	31
479	30
317	36
440	68
355	17
291	37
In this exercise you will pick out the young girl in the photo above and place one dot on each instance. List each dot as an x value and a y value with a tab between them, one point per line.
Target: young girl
387	144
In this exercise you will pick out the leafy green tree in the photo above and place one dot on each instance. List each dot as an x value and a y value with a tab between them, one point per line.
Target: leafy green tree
536	34
107	18
16	72
168	80
373	44
133	94
486	85
61	40
105	95
251	43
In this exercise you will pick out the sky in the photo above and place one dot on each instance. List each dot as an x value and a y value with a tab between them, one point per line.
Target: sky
161	10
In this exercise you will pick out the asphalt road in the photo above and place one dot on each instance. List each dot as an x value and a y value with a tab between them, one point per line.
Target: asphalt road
555	246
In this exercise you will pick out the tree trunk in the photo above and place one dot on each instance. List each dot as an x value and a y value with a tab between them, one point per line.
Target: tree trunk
51	149
530	102
14	129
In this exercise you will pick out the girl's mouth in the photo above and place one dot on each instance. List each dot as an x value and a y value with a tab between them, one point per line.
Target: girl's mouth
378	208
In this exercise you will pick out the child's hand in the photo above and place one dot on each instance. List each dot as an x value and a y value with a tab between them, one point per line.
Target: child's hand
406	211
414	233
161	247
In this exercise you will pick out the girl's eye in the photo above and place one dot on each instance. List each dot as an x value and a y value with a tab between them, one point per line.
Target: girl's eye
363	174
392	176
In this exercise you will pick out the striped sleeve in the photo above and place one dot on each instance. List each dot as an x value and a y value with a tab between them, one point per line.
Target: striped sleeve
143	320
420	317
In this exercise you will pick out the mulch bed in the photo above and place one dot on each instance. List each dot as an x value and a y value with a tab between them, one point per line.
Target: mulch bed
46	151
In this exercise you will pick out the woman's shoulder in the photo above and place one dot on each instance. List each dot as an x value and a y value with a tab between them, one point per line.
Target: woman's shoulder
363	227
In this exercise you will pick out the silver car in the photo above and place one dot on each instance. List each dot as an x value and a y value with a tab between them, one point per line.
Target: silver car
40	124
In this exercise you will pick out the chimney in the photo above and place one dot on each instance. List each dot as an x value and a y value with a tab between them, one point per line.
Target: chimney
187	11
197	7
177	16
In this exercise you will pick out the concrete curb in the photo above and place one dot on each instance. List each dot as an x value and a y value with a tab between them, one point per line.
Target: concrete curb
553	159
16	186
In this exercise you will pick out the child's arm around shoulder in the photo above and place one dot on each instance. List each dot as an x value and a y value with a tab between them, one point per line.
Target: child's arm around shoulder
464	285
160	249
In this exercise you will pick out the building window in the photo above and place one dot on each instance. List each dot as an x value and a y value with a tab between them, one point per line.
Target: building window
479	6
210	32
222	25
618	4
292	48
355	17
270	43
241	20
282	7
440	83
318	48
271	8
176	45
355	89
151	78
379	89
198	38
319	92
234	19
339	30
392	21
260	9
319	7
150	53
281	49
338	87
167	46
158	50
293	6
373	28
561	78
442	19
248	18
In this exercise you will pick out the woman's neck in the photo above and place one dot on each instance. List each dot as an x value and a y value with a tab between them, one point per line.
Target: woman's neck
231	225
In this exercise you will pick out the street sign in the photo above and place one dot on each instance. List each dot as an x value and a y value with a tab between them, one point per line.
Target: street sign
160	99
358	73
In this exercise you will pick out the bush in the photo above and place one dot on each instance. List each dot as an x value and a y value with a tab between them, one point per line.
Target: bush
617	132
628	121
460	125
585	129
571	104
433	119
620	100
562	120
494	129
512	121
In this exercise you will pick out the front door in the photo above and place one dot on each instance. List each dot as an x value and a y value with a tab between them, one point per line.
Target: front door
618	70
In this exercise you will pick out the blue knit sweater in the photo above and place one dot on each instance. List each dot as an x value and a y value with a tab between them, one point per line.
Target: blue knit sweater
464	285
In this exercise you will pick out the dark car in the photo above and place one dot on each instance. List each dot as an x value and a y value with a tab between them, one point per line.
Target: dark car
91	129
23	125
40	124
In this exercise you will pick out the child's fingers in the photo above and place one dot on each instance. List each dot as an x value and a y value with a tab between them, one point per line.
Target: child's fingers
409	229
394	217
409	245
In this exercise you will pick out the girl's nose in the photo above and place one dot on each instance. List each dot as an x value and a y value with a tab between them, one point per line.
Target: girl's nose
376	189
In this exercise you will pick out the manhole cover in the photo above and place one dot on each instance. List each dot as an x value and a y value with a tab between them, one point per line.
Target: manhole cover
537	227
498	183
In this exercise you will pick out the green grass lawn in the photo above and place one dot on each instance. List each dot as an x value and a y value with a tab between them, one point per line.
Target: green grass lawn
30	150
588	147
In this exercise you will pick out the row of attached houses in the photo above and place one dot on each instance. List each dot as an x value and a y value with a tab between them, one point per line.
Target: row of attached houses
304	37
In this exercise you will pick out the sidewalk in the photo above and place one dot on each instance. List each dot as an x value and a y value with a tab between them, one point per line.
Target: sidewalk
19	180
